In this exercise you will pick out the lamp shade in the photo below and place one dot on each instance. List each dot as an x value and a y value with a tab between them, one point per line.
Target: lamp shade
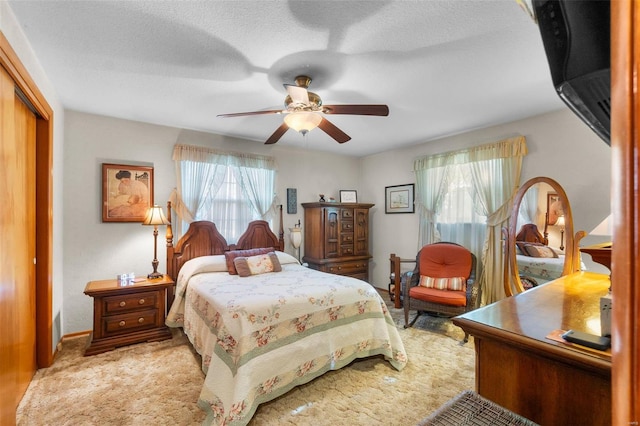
303	121
604	228
155	216
296	237
560	222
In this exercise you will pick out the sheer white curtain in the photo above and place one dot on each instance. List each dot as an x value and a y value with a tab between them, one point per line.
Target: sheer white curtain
459	219
495	171
227	188
529	211
431	182
199	171
467	196
257	179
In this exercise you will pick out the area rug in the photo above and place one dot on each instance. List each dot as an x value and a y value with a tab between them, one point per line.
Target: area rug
159	383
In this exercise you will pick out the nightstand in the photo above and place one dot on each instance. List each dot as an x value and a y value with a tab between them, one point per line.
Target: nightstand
127	314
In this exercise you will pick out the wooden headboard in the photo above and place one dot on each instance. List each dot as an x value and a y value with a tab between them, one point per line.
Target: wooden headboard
529	233
203	239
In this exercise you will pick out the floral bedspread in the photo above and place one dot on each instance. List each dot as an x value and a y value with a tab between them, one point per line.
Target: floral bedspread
262	335
541	269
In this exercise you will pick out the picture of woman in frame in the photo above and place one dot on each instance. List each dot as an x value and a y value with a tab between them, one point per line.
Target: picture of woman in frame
128	192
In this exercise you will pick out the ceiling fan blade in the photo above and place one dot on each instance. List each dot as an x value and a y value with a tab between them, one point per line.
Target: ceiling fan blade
299	95
241	114
330	129
275	137
381	110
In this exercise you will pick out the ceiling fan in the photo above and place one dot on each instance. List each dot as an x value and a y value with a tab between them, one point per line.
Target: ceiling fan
304	111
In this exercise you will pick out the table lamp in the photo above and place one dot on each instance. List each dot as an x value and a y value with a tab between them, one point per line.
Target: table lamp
295	234
155	216
560	224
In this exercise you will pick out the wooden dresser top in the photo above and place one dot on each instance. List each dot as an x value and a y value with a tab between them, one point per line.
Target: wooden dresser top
570	302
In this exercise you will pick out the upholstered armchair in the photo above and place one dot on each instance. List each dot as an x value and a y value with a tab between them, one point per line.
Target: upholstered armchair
443	282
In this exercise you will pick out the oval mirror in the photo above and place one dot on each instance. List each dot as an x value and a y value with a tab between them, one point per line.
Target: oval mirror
540	242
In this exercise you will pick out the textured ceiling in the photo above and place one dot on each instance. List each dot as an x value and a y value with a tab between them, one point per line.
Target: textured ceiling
442	67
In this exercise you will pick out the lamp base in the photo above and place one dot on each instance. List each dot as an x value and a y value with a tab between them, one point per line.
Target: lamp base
155	275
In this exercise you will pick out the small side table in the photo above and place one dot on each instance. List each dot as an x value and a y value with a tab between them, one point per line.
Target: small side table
128	314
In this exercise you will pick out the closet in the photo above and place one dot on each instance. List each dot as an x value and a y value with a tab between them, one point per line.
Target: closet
26	231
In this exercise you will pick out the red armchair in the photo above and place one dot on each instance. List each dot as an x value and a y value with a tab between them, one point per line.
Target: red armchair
442	283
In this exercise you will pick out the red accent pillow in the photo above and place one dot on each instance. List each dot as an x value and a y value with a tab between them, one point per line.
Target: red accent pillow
230	255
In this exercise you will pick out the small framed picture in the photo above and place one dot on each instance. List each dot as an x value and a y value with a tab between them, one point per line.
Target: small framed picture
127	192
399	199
555	208
348	196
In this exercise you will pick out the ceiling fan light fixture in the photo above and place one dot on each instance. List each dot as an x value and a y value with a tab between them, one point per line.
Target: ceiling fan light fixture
302	121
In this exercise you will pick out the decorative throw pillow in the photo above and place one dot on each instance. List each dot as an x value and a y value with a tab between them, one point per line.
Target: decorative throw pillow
259	264
522	246
452	283
541	251
536	250
230	255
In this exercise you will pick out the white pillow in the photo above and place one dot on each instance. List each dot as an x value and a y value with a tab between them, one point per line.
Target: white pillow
199	265
285	258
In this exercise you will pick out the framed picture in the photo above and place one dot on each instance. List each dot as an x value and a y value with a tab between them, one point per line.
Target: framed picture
127	192
399	199
348	196
555	209
292	200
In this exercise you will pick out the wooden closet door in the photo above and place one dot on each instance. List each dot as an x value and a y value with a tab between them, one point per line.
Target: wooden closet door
17	248
26	248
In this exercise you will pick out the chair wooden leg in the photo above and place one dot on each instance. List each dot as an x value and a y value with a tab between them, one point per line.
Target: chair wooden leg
466	337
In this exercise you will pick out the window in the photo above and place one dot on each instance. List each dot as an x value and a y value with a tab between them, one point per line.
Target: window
229	189
229	208
465	197
458	219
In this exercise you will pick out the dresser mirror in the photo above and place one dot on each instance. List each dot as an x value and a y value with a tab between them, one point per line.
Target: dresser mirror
540	241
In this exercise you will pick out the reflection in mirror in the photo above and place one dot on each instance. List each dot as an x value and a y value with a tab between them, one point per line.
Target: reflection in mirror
540	243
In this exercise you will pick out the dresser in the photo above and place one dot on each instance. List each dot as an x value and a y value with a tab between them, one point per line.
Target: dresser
124	314
336	238
520	368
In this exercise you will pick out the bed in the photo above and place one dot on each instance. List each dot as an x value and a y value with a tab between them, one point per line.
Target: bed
537	262
263	334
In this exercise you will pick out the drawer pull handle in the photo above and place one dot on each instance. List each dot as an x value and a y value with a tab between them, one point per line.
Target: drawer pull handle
140	320
141	302
122	323
123	304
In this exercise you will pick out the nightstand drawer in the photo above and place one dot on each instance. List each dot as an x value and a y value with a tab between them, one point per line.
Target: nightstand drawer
129	302
125	323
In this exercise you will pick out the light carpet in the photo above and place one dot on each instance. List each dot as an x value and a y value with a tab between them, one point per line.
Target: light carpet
159	383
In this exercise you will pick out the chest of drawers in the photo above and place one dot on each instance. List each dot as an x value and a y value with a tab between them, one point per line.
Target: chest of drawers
127	314
337	238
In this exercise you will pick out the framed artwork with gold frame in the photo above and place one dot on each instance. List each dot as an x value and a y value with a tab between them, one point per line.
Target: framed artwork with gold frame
127	192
